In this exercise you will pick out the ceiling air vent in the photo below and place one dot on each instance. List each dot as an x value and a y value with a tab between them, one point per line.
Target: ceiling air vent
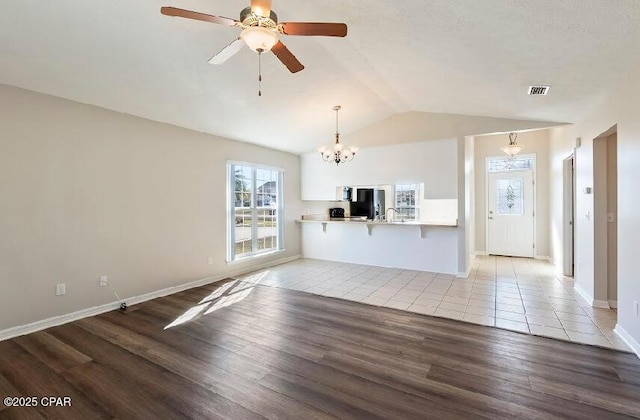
538	90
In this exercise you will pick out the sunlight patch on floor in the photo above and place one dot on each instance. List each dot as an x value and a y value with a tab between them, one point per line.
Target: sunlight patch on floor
226	295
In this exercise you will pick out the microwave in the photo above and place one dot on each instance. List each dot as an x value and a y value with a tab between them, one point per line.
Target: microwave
336	213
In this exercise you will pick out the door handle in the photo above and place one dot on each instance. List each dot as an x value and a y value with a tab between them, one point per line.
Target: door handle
490	218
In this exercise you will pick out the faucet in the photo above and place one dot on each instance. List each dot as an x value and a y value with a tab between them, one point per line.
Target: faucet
386	214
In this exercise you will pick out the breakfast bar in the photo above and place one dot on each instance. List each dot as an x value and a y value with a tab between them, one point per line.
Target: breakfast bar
388	244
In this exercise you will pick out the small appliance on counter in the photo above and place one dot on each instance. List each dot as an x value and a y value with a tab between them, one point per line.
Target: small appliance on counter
336	213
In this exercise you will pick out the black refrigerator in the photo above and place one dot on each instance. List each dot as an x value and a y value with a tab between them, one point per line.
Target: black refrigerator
368	203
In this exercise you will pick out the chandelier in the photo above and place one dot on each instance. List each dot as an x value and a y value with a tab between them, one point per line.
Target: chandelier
337	153
512	148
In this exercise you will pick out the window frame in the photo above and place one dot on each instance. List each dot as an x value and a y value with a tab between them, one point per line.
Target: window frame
417	188
231	211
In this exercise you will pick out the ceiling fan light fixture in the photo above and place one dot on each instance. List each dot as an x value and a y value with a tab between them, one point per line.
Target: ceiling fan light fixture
259	39
261	7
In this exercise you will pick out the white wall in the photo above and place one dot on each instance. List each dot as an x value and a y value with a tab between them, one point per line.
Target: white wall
416	126
535	142
86	192
621	106
600	231
612	226
432	162
560	148
466	211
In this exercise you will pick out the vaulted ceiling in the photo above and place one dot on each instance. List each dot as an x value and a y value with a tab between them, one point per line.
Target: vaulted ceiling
437	56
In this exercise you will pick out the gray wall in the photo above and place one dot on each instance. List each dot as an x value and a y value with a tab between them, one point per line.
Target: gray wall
86	192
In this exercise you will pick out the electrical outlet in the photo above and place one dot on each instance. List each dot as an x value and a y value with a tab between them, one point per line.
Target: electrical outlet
210	260
102	282
61	289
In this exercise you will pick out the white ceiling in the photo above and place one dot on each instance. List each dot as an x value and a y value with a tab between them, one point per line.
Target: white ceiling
447	56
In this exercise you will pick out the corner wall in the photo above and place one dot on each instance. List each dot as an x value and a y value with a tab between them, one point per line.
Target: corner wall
620	107
86	192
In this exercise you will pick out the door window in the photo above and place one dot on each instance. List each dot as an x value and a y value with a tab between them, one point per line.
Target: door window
510	197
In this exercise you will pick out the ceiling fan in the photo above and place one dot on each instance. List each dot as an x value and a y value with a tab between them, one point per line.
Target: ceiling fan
261	30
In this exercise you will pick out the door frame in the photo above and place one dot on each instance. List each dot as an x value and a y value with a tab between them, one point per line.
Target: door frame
568	214
486	199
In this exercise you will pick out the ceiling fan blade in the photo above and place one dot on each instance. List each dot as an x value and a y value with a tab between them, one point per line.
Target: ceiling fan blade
287	58
314	29
172	11
227	52
261	7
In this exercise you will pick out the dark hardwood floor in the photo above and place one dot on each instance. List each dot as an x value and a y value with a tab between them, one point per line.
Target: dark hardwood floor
238	351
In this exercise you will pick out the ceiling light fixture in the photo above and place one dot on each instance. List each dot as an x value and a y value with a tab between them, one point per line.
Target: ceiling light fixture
337	153
512	148
259	39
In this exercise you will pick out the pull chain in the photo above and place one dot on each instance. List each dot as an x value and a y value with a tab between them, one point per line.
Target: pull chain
260	72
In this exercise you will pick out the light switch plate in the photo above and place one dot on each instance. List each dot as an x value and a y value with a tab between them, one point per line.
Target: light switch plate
61	289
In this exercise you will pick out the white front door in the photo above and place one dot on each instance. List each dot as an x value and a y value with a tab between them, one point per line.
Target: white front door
510	214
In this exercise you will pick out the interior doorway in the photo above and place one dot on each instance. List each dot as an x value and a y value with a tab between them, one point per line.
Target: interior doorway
605	219
511	206
568	205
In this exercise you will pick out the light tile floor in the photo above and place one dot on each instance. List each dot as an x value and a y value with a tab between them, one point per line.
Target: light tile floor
516	294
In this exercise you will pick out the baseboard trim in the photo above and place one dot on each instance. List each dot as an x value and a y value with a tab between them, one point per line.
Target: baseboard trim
601	304
542	257
462	275
590	300
613	304
480	254
628	339
133	300
56	320
583	294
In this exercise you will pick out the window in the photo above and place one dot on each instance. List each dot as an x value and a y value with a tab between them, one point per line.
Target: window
510	164
407	201
255	210
510	197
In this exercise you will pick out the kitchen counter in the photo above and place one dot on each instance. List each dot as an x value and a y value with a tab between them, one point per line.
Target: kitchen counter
428	245
450	223
370	224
